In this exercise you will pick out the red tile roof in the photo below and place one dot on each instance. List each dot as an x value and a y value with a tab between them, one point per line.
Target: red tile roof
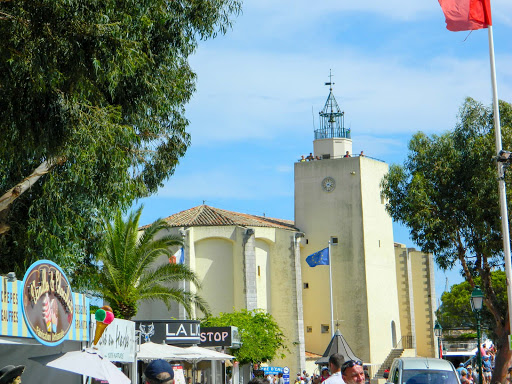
206	216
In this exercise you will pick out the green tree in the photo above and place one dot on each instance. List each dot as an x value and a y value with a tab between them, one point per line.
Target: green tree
92	115
455	309
446	193
262	339
130	273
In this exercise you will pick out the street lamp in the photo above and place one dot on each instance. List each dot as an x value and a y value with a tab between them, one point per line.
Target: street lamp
477	302
438	331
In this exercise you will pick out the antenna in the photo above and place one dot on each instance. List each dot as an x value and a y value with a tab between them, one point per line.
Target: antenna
313	115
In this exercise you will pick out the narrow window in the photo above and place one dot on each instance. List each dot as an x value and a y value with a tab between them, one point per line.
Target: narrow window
309	329
306	285
325	328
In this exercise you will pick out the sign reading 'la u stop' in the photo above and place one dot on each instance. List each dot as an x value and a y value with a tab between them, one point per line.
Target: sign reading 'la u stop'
47	302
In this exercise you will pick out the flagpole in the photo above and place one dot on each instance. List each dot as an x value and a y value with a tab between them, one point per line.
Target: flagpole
330	288
501	176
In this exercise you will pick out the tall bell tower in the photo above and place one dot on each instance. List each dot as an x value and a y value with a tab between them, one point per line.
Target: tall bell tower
339	199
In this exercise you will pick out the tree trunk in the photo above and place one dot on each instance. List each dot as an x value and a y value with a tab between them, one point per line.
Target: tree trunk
503	356
12	194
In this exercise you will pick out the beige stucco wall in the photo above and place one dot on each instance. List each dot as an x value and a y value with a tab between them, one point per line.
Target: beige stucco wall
218	255
405	293
384	324
422	268
364	282
336	147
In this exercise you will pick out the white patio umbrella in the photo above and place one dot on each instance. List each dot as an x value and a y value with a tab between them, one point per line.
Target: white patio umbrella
86	362
151	351
199	353
196	354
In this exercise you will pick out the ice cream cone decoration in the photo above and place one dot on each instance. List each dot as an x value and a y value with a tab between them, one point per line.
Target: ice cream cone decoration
47	312
104	317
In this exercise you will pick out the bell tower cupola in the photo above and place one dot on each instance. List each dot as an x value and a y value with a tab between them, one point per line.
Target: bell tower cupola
332	139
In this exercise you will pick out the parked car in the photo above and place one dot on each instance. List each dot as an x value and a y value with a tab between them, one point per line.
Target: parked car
422	370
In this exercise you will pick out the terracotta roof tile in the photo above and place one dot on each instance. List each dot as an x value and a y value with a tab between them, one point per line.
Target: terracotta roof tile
206	216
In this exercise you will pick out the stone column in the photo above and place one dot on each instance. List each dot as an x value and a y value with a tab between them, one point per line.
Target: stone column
298	298
249	249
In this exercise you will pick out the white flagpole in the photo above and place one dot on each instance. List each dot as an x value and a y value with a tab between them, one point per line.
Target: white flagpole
330	287
501	173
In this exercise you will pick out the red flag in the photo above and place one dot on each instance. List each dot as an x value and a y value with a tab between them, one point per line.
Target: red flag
466	15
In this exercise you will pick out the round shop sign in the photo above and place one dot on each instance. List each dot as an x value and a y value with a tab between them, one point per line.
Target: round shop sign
47	302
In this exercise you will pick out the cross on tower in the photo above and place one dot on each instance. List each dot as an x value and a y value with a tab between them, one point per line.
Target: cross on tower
330	83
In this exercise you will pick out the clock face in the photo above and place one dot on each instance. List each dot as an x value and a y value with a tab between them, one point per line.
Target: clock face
328	184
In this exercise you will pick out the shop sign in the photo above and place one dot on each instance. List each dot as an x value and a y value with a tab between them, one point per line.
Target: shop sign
47	303
118	340
12	323
272	370
169	331
220	337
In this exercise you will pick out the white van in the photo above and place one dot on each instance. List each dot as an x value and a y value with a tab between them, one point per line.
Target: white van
422	370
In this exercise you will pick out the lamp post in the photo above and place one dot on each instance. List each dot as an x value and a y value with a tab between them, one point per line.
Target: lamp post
438	331
477	302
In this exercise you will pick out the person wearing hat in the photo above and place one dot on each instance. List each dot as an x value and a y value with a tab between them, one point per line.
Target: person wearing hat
472	376
460	370
158	372
487	370
11	374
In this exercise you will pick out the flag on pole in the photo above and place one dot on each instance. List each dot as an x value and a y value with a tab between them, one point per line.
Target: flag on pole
178	257
318	258
466	15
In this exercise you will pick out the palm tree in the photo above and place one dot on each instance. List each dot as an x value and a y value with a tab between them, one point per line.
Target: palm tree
129	272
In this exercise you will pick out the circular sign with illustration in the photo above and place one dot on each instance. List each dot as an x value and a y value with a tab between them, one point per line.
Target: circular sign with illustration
47	302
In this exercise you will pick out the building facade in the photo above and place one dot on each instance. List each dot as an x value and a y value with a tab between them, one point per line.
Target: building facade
242	261
416	287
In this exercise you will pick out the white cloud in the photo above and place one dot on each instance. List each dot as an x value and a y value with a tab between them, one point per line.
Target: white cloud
225	183
265	95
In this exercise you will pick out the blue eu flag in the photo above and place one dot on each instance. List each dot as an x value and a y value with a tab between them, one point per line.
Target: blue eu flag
318	258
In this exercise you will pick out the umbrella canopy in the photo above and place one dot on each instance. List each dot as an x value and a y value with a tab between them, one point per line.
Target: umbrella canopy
206	354
86	362
339	345
152	351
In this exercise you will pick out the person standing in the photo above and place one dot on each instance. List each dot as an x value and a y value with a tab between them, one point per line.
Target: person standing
461	369
11	374
335	363
486	370
353	372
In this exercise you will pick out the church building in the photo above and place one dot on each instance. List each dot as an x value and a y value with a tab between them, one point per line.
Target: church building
248	261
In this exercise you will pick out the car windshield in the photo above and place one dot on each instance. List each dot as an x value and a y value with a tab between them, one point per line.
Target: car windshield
420	376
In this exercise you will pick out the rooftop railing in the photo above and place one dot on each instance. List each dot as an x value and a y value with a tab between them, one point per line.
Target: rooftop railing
332	133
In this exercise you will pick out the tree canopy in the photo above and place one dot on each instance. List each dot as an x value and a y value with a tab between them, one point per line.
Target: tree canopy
130	271
455	309
92	114
262	339
446	193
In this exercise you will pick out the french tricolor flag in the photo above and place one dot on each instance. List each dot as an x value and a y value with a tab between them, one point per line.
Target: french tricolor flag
178	257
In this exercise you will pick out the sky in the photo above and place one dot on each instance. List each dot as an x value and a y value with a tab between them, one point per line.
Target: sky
397	70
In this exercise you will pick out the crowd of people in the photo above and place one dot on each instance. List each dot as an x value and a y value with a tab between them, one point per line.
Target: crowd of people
310	157
469	375
338	372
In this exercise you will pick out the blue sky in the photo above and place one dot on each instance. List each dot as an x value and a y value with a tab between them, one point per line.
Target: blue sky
397	71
